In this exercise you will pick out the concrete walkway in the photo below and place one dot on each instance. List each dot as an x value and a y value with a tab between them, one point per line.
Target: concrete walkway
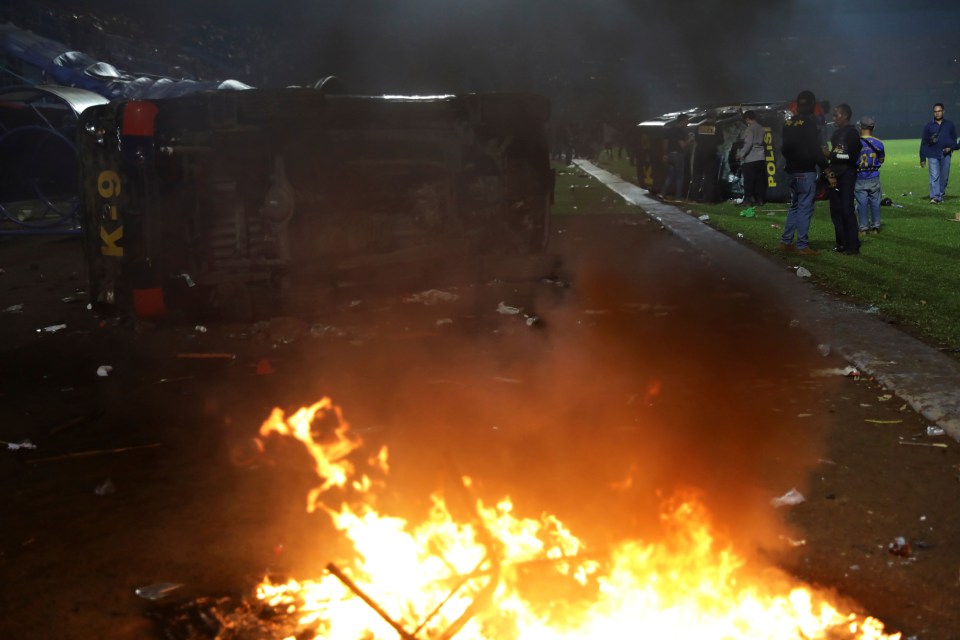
926	378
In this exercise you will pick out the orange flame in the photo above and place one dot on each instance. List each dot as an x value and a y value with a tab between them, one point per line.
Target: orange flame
505	576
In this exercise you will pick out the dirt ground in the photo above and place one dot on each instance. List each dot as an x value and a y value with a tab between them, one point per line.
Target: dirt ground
632	358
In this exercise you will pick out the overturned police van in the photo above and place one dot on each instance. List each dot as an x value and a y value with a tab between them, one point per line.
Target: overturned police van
230	202
652	169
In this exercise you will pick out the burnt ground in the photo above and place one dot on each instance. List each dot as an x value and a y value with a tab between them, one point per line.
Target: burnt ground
633	358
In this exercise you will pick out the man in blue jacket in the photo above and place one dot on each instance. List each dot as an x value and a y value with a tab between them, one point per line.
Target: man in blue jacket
937	142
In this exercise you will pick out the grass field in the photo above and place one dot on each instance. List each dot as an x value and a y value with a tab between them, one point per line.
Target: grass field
909	273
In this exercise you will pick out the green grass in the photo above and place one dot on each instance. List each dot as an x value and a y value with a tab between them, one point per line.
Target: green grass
910	272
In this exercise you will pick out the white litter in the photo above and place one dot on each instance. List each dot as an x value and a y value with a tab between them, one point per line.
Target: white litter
104	370
26	444
106	488
507	310
790	498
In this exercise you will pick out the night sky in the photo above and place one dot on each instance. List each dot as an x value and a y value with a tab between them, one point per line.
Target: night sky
626	58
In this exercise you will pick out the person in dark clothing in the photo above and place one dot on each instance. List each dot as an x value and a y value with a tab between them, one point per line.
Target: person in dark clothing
937	142
675	142
706	159
804	157
845	148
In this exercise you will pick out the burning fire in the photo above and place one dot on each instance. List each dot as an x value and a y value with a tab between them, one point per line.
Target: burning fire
501	575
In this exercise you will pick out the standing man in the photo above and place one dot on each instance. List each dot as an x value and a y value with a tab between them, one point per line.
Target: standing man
675	143
752	155
842	173
804	158
706	159
937	141
867	189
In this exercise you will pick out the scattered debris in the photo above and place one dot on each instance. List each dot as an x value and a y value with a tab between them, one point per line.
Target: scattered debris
52	328
934	430
507	310
873	421
900	547
14	308
852	372
803	272
790	498
200	328
104	370
158	590
431	297
13	446
319	330
704	218
105	488
935	445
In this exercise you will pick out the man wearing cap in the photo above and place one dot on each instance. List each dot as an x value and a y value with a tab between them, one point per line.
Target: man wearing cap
804	158
937	142
867	189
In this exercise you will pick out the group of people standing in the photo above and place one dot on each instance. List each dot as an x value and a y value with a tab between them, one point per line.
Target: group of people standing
850	166
847	169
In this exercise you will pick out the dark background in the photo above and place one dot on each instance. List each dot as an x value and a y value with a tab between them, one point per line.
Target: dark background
617	60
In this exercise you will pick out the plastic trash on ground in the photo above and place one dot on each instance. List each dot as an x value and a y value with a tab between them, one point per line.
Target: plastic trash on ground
432	296
105	488
803	272
157	590
104	370
790	498
52	328
13	446
507	310
900	547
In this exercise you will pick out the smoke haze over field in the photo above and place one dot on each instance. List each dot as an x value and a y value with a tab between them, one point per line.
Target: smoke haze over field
619	59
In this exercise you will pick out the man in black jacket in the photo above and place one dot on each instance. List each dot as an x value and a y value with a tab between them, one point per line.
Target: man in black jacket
845	148
804	158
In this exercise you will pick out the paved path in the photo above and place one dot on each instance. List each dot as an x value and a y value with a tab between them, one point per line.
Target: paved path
926	378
